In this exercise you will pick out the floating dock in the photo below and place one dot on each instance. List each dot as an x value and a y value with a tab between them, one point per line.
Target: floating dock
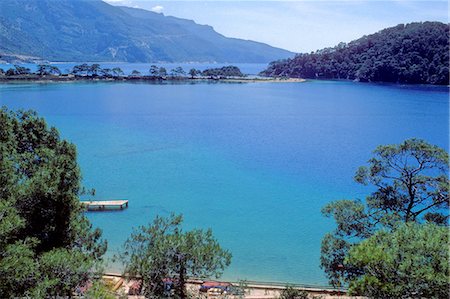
104	205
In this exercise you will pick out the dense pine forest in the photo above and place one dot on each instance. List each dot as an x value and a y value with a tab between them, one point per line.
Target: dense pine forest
416	53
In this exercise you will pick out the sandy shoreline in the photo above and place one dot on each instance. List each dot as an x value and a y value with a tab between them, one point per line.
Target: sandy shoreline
253	289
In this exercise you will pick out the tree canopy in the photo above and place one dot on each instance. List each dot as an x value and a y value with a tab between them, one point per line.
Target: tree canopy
411	180
412	53
410	262
163	251
95	71
410	183
223	72
47	245
46	69
81	69
291	293
194	72
177	72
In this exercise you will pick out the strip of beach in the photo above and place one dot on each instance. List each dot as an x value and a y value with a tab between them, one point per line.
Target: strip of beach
250	289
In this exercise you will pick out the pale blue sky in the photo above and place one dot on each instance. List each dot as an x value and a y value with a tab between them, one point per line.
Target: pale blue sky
299	26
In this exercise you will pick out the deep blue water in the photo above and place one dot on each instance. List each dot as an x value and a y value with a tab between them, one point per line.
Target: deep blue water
255	162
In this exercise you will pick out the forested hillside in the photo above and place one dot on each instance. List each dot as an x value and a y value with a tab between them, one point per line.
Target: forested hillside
413	53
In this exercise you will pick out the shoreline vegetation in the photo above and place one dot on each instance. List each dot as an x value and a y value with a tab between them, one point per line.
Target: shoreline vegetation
415	53
94	73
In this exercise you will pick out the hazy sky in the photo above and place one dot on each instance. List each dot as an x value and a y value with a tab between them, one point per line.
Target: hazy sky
299	26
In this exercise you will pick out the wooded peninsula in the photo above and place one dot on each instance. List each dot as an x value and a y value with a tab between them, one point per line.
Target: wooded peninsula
47	72
415	53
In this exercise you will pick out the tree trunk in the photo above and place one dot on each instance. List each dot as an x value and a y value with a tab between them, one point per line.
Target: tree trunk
180	290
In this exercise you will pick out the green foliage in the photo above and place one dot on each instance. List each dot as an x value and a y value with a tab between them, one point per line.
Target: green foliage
47	245
350	217
413	53
332	254
163	250
65	268
410	184
11	72
85	69
99	291
81	69
46	69
194	72
162	72
154	71
106	72
157	73
135	73
291	293
411	180
411	262
19	272
18	71
240	290
117	72
95	69
10	223
21	70
223	72
177	72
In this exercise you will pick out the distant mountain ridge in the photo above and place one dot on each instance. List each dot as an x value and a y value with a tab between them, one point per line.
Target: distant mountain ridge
415	53
92	30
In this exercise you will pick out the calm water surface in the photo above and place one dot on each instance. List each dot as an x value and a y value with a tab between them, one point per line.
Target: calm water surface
255	162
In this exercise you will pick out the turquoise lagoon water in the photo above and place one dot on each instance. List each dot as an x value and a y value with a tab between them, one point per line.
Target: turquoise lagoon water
254	162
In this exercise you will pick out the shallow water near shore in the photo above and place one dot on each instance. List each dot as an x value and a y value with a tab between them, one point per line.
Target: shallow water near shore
255	162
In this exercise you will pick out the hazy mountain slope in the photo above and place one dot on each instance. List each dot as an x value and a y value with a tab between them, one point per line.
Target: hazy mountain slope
411	53
92	30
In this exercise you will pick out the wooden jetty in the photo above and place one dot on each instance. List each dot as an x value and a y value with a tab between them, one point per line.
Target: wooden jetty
103	205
